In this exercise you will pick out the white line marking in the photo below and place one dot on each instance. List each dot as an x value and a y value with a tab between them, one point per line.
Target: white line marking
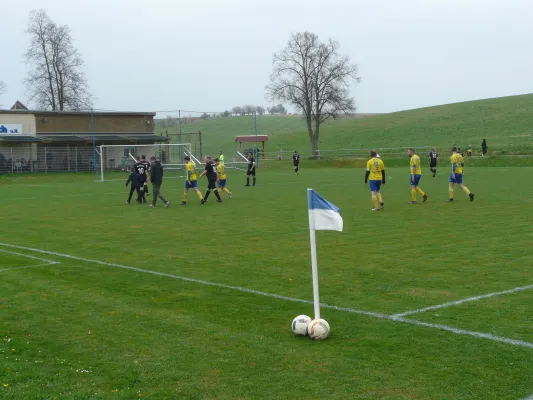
480	335
28	266
27	256
457	302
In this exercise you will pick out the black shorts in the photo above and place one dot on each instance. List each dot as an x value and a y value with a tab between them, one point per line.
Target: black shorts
433	165
296	164
143	180
212	183
250	172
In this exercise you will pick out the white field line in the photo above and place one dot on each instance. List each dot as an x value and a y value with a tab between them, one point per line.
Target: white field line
479	335
457	302
27	256
28	266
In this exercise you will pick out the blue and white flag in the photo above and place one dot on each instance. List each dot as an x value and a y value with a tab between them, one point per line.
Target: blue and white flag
323	216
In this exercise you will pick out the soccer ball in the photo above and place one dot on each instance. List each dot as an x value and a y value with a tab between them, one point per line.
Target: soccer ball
299	325
318	329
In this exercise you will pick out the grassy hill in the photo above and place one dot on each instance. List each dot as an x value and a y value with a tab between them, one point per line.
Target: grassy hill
506	123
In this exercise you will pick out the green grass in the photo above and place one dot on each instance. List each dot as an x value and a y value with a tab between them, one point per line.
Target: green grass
505	122
81	330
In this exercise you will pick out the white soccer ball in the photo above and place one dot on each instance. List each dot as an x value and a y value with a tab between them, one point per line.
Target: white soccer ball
318	329
299	325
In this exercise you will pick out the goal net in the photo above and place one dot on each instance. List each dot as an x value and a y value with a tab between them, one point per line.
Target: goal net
117	160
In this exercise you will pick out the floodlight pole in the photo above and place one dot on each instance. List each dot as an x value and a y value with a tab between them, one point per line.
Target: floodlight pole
179	136
256	149
94	141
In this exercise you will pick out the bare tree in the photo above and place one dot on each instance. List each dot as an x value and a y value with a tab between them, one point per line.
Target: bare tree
55	81
2	89
315	78
237	110
260	110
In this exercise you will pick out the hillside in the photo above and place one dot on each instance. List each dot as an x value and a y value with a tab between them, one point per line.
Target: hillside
506	123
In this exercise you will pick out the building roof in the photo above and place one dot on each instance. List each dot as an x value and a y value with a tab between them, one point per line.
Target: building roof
106	137
19	106
99	113
19	139
82	138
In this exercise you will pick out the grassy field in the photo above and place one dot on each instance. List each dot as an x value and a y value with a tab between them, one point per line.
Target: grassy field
505	122
103	300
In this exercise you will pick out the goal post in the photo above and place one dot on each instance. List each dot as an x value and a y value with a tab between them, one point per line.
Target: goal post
117	160
236	161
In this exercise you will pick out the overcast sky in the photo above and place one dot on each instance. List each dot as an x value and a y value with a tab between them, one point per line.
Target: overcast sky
211	55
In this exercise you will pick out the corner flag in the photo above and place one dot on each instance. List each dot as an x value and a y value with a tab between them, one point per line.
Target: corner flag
323	216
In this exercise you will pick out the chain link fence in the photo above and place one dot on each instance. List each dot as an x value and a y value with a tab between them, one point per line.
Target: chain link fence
38	158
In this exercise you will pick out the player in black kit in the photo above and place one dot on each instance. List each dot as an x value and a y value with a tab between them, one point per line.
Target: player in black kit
433	161
212	175
251	169
135	180
147	169
296	161
140	168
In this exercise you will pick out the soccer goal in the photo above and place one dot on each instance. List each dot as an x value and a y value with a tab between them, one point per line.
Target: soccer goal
117	160
237	161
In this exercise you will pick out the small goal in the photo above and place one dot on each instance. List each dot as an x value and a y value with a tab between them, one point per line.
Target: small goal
117	160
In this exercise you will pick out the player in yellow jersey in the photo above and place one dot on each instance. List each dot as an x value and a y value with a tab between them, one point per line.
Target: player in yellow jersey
375	170
222	179
456	176
191	182
416	174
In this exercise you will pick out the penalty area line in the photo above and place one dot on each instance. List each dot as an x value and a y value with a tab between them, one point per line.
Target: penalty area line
394	318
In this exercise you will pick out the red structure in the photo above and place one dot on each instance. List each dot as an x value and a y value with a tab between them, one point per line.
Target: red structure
252	139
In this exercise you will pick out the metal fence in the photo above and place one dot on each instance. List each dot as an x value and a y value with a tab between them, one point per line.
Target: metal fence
34	157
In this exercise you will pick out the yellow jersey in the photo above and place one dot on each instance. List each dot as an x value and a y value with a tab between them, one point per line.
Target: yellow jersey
221	172
191	171
375	166
414	164
458	162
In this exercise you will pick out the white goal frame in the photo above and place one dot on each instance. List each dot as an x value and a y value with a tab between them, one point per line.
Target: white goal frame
174	153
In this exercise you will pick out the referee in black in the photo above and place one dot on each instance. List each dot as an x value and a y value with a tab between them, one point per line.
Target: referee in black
212	175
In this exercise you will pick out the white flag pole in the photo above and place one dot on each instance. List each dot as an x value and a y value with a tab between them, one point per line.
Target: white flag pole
314	264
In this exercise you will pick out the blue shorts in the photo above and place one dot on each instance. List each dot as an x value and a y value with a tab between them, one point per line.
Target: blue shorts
458	178
375	186
222	183
194	184
416	180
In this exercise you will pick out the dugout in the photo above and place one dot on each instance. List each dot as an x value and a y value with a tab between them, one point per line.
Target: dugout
253	139
43	141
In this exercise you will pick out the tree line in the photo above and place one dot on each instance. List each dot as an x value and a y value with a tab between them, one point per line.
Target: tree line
309	74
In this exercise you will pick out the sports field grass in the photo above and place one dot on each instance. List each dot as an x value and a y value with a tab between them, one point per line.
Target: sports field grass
505	122
96	301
